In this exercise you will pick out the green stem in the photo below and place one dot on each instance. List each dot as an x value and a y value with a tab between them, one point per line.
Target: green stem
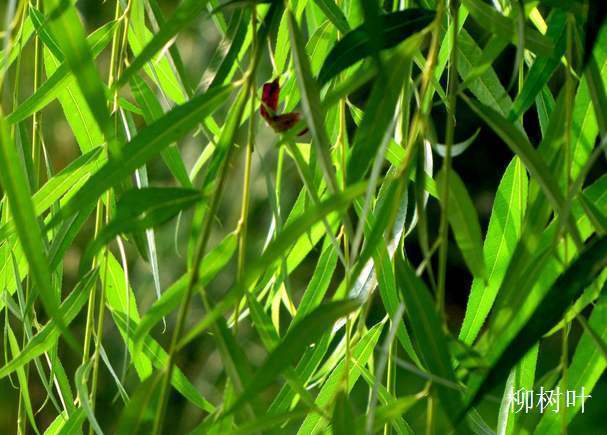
100	321
343	147
569	95
185	305
430	411
426	90
390	379
36	117
244	215
116	60
88	332
246	185
21	417
198	256
444	194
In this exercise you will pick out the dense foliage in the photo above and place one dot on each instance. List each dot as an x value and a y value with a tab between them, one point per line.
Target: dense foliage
316	216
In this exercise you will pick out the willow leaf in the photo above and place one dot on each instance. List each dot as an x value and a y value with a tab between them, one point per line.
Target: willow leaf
502	234
356	44
149	142
16	188
464	223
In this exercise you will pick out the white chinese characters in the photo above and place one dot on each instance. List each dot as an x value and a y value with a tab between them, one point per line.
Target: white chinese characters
524	400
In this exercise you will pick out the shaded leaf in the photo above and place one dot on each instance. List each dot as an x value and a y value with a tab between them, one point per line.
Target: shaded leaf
16	188
519	336
149	142
356	44
140	209
295	342
427	330
464	223
185	13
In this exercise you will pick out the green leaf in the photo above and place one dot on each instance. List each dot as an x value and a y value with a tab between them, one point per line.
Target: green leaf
185	13
521	376
383	395
377	123
319	284
596	216
295	342
61	183
149	142
464	223
61	77
596	85
484	65
211	264
523	332
503	232
306	367
274	251
58	423
66	27
334	14
240	38
16	188
81	380
140	209
310	100
49	334
75	109
23	384
494	22
73	423
349	84
262	323
534	163
24	34
356	45
121	302
389	295
588	329
543	67
343	416
487	87
138	415
166	69
536	256
238	3
152	111
225	144
427	330
361	351
261	424
585	125
586	368
387	413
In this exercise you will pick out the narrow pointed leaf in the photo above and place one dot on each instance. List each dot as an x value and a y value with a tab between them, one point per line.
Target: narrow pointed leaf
464	223
521	335
140	209
16	188
427	331
148	143
185	13
356	45
295	342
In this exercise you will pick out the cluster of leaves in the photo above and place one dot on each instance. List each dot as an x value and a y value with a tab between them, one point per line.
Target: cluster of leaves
359	81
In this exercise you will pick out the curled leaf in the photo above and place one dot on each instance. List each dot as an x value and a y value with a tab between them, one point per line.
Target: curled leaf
269	105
